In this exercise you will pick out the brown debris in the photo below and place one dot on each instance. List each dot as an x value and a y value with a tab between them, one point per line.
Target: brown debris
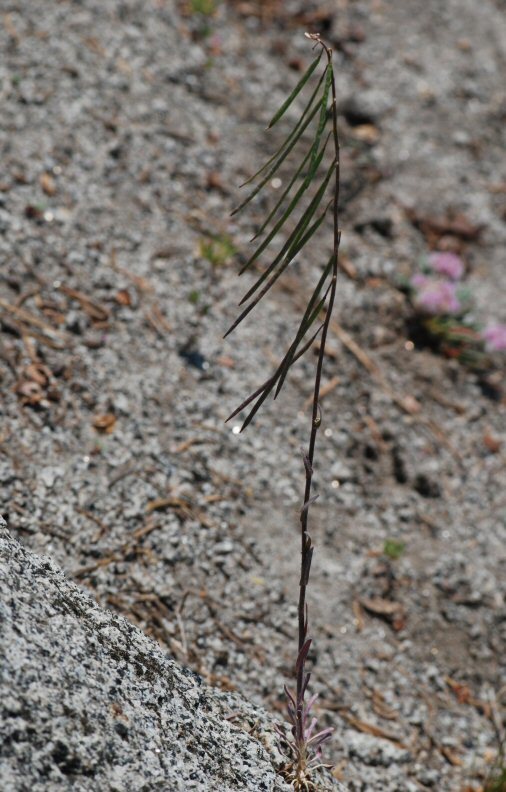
491	443
28	318
123	297
97	312
451	756
371	728
454	225
381	708
358	613
104	423
47	184
392	612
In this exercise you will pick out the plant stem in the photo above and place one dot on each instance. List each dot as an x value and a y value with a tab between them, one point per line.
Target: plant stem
306	548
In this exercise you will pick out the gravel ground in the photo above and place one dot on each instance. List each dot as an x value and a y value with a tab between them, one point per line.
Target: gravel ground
126	128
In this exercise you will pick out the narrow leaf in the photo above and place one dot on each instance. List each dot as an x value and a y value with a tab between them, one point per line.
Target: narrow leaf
311	209
296	91
302	224
301	659
309	176
289	696
310	729
286	214
284	194
309	503
322	120
310	314
307	236
310	703
285	364
269	384
283	154
304	327
257	406
299	127
320	738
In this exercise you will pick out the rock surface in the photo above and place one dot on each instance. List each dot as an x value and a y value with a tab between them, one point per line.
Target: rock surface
89	702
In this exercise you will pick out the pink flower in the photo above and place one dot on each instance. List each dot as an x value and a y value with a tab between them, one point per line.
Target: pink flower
438	297
448	264
418	281
495	337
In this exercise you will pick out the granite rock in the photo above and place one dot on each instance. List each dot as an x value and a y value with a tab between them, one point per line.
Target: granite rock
90	702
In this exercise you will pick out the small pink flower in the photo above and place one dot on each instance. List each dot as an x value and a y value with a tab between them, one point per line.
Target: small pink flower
418	281
495	337
438	297
448	264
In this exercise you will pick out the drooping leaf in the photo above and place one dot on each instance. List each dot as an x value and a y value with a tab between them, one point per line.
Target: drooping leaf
310	211
288	211
293	252
305	227
284	194
298	88
322	120
309	176
304	327
277	274
311	109
289	250
311	313
302	224
273	378
284	154
303	240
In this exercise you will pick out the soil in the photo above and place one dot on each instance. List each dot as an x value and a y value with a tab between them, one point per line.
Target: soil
126	129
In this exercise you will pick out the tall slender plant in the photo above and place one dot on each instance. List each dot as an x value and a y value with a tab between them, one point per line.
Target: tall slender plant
311	194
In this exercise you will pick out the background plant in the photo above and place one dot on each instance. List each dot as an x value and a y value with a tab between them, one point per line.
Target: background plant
444	310
310	196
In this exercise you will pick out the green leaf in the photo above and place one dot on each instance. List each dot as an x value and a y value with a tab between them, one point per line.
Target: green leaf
323	119
267	387
299	170
276	165
286	214
301	226
310	314
311	214
298	88
310	211
298	129
307	236
284	194
309	233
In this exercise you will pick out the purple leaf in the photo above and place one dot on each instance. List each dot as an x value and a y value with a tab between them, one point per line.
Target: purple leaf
311	702
289	696
301	659
310	729
320	738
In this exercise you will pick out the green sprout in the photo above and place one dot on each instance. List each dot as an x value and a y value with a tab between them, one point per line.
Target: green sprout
393	548
497	784
218	250
204	7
